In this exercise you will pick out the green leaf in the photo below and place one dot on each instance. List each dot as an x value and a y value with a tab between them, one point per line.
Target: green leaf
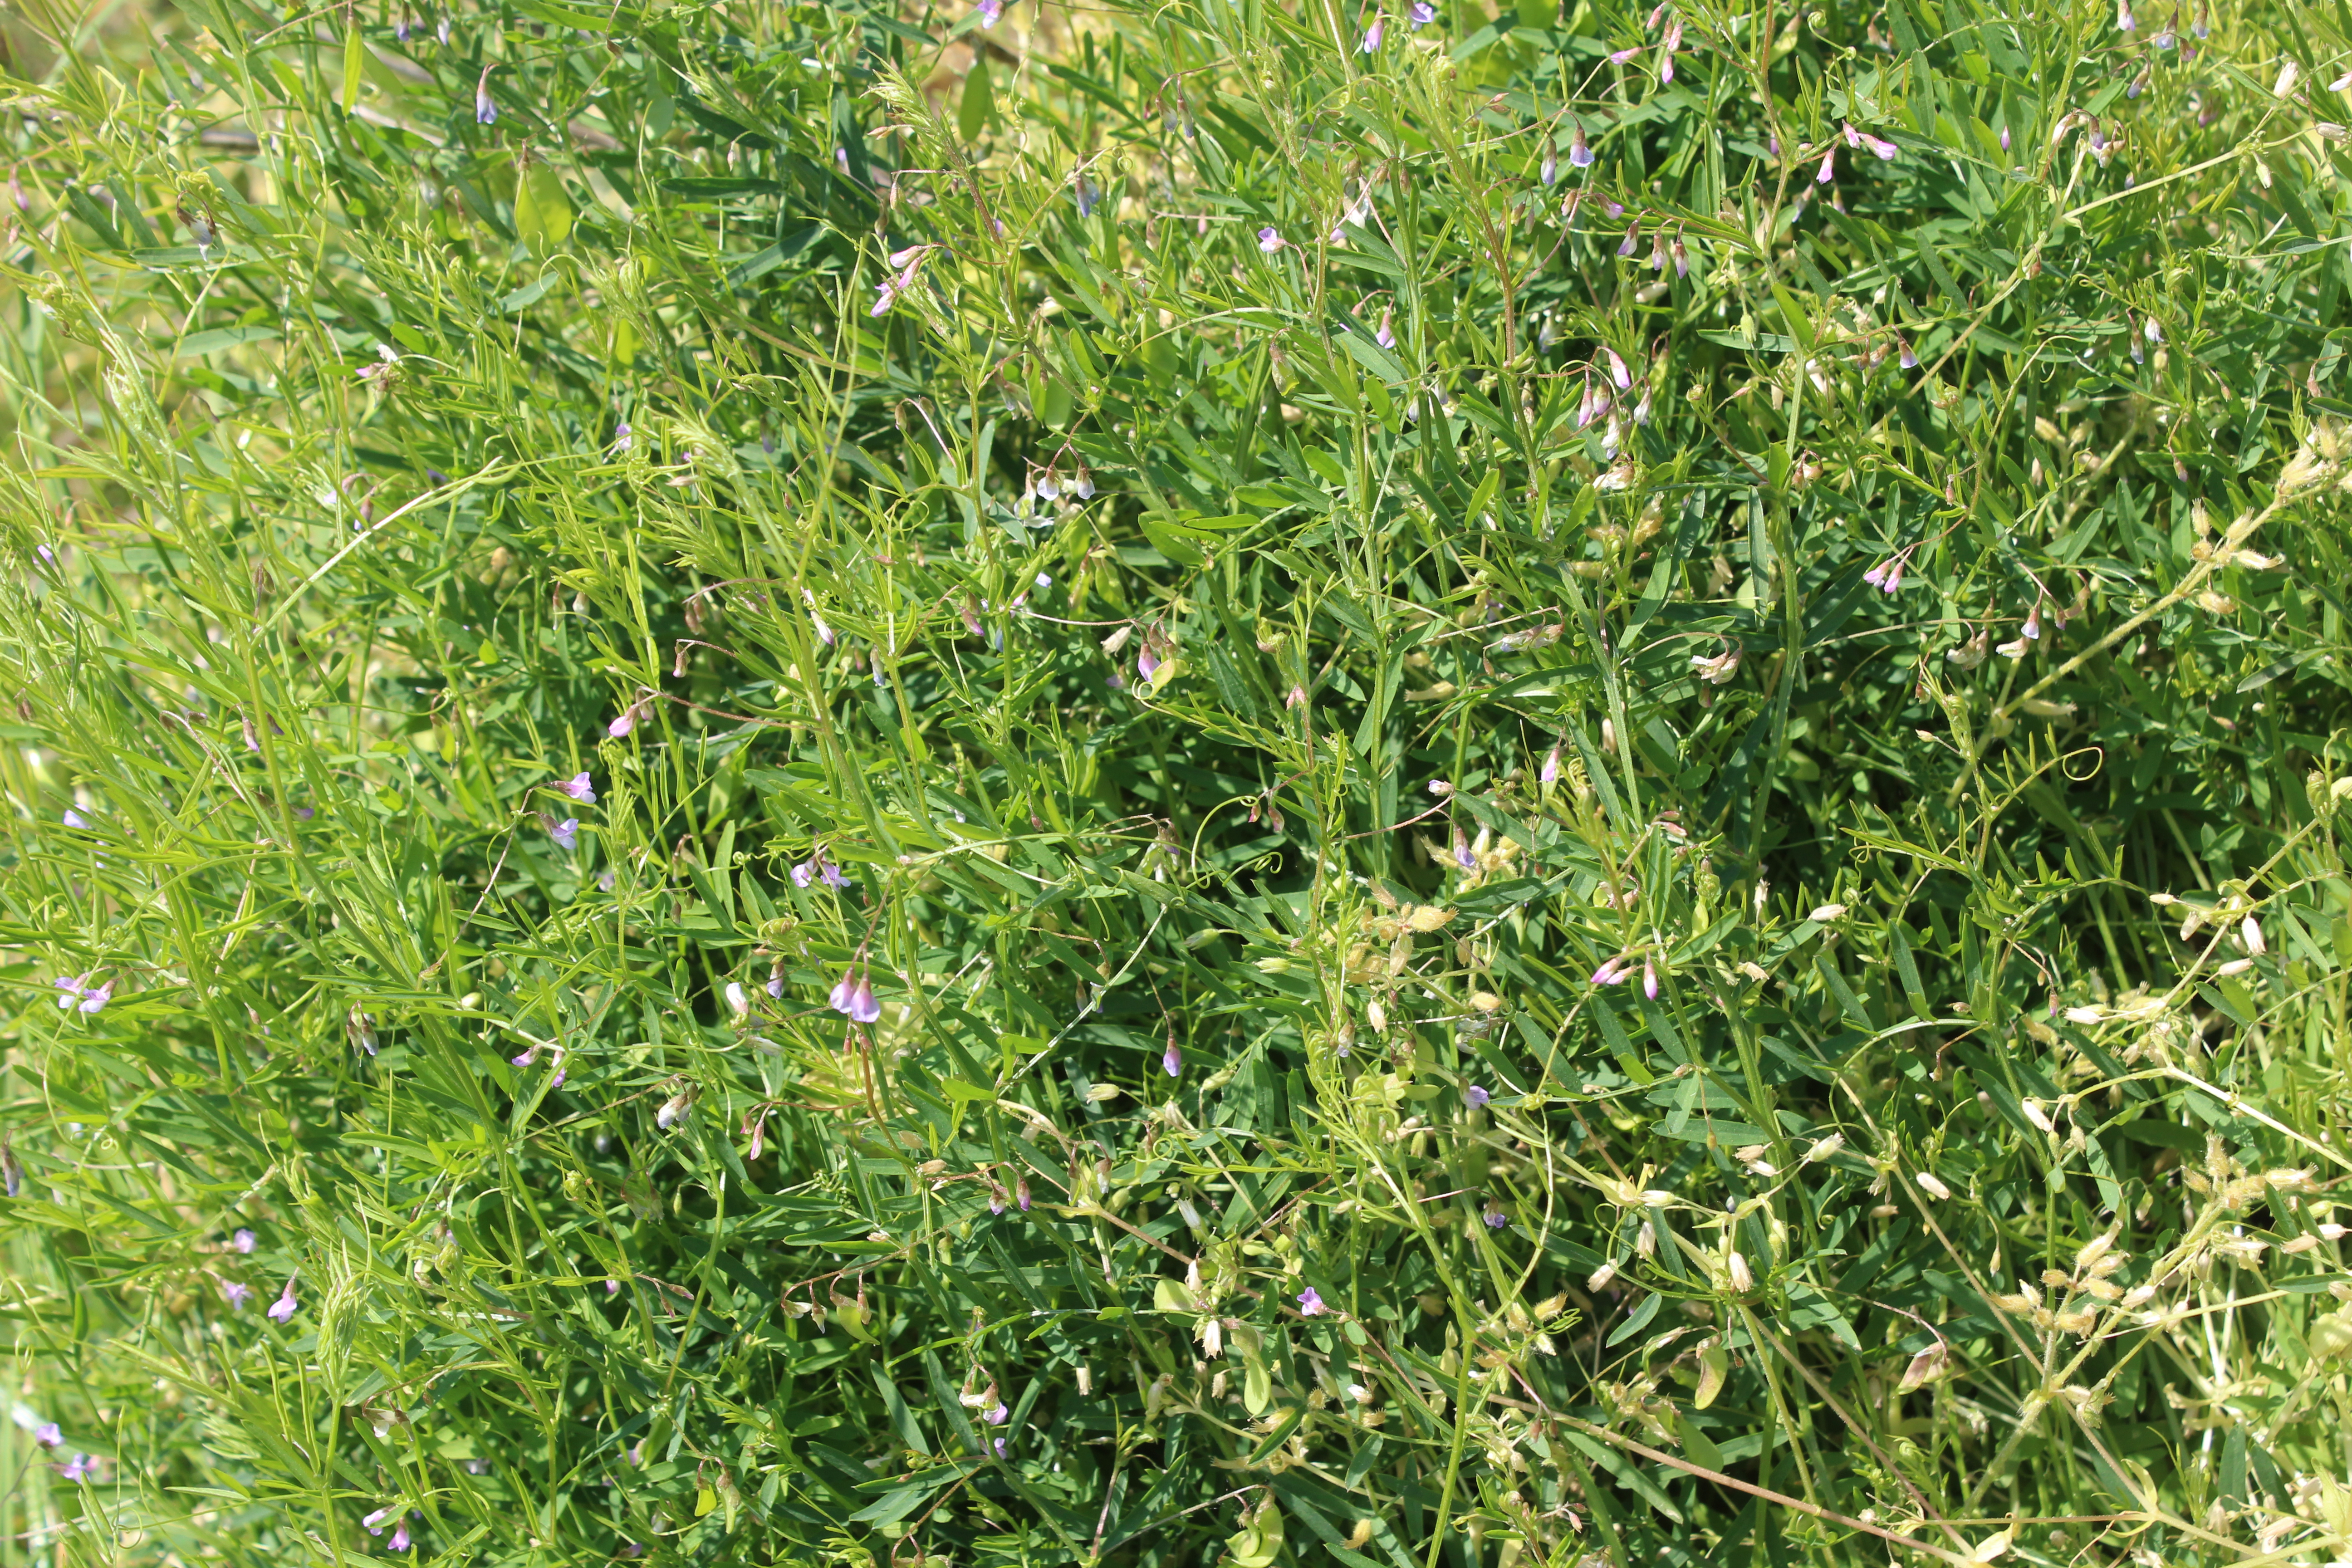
978	105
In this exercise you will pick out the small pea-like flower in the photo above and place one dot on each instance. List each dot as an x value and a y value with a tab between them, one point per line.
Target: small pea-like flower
1372	35
48	1434
1649	980
1886	576
738	1003
1494	1215
1548	170
830	874
485	111
1420	14
399	1542
1386	336
78	1467
629	720
995	1197
1310	1303
1612	973
75	819
1631	242
1145	663
83	996
580	787
853	997
673	1110
1270	239
1829	168
236	1293
991	13
1550	775
805	872
885	294
1171	1061
1000	1448
998	1415
1476	1095
1617	371
2124	21
1021	1193
1463	854
242	1241
565	833
283	1309
373	1523
1580	150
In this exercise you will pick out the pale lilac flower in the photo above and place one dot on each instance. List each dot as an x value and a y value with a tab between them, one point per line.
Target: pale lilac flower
738	1003
1633	241
830	874
1622	56
1906	358
399	1542
1310	1303
1021	1193
1649	980
78	1467
842	990
1548	171
885	293
2004	138
1462	857
1495	1217
863	1007
442	32
527	1058
1612	973
1372	35
621	437
1420	14
1386	336
485	111
1886	576
1550	774
1617	371
74	819
283	1309
1000	1448
580	787
998	1415
1088	195
235	1294
991	13
1172	1062
2124	21
565	833
48	1436
776	983
1476	1095
373	1523
1270	239
626	722
1829	167
242	1241
88	998
804	873
1145	663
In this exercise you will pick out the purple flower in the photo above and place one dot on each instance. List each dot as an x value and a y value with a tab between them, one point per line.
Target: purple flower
1462	856
485	111
1270	239
1476	1095
804	873
282	1309
565	833
1144	663
373	1523
88	998
525	1059
1611	973
1000	1448
48	1436
1420	14
580	787
842	990
738	1002
776	984
1310	1304
1829	167
626	722
1372	35
1550	774
998	1415
1172	1061
78	1467
74	819
863	1008
1021	1193
991	11
399	1542
831	873
1649	980
242	1241
1386	336
1495	1217
235	1294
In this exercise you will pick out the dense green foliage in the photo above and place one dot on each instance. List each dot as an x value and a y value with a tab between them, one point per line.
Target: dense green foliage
1175	785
